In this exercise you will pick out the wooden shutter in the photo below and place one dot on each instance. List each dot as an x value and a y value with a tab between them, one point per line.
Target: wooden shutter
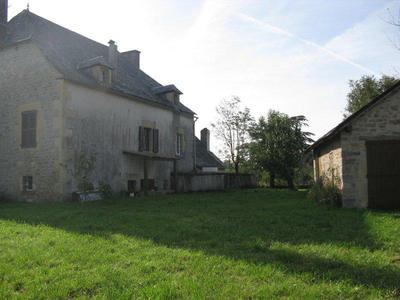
28	129
146	139
141	140
155	140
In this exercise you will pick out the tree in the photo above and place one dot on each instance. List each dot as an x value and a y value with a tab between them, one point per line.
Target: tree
278	143
231	128
365	89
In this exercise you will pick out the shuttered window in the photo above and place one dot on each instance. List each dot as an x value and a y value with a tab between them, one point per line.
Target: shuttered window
155	141
148	140
141	147
28	128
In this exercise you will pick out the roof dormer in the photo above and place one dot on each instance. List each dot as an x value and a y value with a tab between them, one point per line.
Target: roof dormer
170	92
99	69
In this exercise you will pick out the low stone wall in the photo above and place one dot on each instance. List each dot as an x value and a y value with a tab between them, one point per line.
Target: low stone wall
203	182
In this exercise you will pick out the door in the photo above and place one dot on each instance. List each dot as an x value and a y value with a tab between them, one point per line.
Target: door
383	162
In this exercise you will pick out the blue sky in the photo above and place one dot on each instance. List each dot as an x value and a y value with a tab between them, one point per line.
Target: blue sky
295	56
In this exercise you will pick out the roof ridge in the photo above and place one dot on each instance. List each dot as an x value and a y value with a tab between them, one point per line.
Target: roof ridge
29	13
353	116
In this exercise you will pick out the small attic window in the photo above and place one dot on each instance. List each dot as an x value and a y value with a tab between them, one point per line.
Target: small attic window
104	75
176	98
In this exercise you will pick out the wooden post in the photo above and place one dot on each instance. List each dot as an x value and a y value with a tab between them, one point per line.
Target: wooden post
175	176
146	178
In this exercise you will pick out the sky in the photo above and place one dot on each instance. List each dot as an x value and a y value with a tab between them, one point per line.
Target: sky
294	56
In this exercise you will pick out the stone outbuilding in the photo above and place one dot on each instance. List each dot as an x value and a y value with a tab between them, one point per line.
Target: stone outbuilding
362	154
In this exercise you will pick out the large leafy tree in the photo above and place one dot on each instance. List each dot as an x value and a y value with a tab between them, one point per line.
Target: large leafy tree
365	89
278	143
231	127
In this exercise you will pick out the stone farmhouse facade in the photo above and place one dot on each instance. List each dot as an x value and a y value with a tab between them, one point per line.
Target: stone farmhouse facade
72	108
362	154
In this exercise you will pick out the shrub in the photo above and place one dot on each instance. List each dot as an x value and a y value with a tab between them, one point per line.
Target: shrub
326	192
83	169
106	190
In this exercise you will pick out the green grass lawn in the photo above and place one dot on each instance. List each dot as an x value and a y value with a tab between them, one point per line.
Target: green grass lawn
246	244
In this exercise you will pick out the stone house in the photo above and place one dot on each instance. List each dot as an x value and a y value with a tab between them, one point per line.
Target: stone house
76	111
362	154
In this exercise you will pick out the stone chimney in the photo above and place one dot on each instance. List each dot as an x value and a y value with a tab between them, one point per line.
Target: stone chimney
3	19
113	58
205	138
134	57
3	12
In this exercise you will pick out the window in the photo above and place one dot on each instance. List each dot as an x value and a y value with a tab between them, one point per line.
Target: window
105	76
144	139
179	144
176	99
155	140
27	183
151	184
28	129
131	186
148	140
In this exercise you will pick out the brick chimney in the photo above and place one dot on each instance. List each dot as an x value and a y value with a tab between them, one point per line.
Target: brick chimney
3	11
133	56
205	138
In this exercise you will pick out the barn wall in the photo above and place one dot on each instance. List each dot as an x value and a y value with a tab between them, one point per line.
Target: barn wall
328	162
381	122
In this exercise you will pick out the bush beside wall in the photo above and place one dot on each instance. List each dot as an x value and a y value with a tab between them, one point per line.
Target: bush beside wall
326	192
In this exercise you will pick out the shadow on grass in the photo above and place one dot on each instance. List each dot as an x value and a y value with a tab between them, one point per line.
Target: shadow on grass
240	225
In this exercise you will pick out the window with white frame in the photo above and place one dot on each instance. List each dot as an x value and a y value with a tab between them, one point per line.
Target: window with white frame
179	144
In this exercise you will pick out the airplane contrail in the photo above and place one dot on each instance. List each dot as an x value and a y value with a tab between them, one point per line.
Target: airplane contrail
277	30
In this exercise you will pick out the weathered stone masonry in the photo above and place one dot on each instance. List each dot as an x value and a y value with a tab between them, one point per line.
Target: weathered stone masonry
29	82
72	119
82	98
379	121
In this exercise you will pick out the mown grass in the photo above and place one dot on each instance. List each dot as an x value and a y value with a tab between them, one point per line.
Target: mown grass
246	244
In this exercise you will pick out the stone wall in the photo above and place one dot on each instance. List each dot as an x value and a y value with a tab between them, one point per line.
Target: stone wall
380	122
204	182
104	125
201	182
328	162
29	82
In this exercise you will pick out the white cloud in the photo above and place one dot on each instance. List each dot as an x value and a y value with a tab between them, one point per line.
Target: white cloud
277	30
